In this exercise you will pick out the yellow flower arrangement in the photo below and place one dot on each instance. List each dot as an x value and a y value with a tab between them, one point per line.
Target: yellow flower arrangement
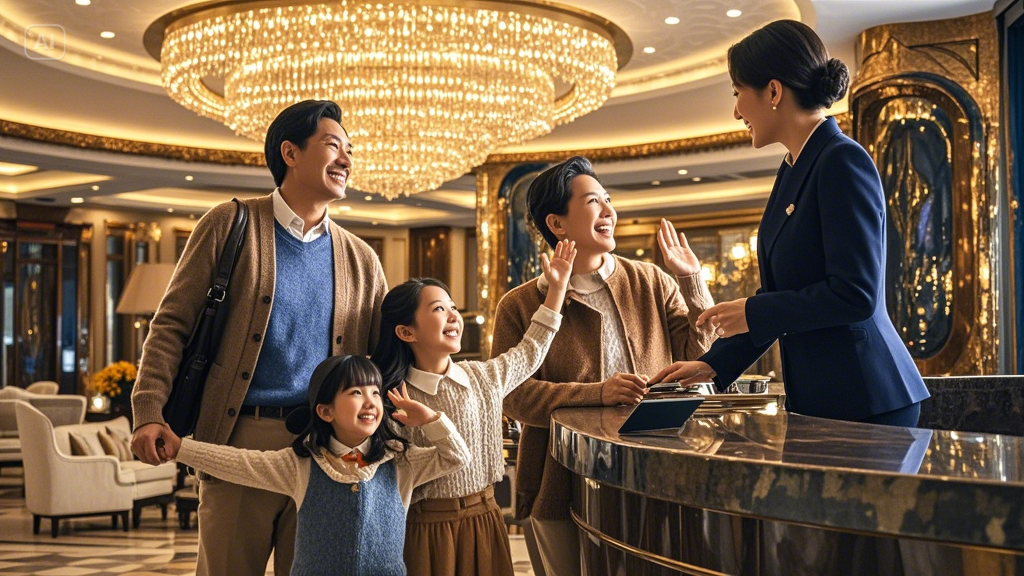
114	380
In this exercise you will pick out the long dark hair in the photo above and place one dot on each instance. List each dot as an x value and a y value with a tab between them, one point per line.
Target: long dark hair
790	52
331	377
392	355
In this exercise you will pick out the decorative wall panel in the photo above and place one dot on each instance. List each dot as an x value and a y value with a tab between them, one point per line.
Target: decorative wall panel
925	105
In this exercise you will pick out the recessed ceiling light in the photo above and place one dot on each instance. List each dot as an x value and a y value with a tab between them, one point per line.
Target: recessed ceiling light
170	210
655	182
671	20
77	200
374	222
344	208
696	178
83	2
94	188
106	34
682	172
368	198
649	50
189	178
734	13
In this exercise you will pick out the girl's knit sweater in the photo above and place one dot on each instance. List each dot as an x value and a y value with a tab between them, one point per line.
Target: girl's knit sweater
471	393
285	472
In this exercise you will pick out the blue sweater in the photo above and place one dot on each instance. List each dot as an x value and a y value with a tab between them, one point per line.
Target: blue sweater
299	332
341	531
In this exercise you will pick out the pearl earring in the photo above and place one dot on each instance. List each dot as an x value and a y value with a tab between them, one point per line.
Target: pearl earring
774	108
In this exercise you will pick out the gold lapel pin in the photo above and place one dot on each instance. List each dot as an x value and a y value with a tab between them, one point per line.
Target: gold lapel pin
789	209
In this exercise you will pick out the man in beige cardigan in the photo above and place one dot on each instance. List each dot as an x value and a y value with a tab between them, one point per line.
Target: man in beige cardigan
622	321
303	289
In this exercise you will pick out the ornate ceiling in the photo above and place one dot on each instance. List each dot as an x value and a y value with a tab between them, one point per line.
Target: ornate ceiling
109	88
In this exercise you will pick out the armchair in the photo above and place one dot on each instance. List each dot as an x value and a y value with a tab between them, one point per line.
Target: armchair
60	409
59	485
43	387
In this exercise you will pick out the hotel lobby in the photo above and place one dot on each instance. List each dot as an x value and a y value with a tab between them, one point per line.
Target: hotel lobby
122	124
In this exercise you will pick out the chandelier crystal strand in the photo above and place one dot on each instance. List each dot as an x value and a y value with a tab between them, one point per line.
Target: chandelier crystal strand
428	91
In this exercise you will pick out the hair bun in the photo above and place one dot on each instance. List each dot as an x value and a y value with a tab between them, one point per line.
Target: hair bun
834	80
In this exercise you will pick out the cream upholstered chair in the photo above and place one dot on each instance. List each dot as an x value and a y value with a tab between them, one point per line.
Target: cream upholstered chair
60	409
43	387
59	485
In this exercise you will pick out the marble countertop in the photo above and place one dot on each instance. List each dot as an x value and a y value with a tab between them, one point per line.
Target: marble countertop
965	488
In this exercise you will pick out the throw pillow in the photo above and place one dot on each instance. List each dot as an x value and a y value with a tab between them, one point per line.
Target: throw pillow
124	442
110	448
79	445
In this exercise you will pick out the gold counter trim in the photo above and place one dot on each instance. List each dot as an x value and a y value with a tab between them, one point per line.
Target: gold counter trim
648	556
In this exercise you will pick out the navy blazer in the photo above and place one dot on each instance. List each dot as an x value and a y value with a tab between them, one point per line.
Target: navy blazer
821	254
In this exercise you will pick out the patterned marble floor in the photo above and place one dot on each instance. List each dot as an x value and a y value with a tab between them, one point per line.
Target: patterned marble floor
90	547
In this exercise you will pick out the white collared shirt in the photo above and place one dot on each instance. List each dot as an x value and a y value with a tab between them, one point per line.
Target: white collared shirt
587	282
429	382
339	448
789	157
291	222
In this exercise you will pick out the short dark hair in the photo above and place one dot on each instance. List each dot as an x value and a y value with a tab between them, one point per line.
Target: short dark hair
330	377
550	192
790	52
295	124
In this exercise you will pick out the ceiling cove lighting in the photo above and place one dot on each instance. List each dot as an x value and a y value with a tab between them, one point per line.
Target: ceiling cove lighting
428	90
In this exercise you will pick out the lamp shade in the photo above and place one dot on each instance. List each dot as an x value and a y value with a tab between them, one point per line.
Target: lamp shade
146	286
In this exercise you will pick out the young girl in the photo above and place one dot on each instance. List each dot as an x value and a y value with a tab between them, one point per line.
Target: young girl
352	503
454	525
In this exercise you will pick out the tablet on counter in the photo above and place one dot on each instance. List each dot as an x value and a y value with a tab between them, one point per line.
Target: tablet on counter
660	414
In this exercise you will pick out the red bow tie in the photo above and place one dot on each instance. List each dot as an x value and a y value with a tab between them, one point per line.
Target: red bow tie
355	456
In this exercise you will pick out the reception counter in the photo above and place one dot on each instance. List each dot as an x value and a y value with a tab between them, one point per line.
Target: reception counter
763	492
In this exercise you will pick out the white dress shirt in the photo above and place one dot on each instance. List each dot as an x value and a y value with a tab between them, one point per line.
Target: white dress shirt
291	222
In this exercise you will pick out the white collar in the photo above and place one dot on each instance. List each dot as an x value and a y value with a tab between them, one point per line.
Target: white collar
429	382
291	222
789	157
339	448
587	282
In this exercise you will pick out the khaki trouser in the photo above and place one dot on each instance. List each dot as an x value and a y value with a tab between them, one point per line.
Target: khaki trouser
558	543
238	526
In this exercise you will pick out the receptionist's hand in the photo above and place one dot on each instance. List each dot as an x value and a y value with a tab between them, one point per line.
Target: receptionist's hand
689	372
727	318
623	389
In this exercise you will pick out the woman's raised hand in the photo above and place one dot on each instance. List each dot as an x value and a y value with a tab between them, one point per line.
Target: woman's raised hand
558	268
678	256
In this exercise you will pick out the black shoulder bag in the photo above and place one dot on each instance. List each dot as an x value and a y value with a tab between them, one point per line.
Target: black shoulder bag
182	409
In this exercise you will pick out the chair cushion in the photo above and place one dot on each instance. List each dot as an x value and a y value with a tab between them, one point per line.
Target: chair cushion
109	445
80	445
124	441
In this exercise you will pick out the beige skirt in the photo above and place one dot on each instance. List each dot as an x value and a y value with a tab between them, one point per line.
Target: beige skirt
457	537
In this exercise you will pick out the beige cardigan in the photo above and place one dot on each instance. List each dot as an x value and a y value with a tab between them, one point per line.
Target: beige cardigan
359	287
658	316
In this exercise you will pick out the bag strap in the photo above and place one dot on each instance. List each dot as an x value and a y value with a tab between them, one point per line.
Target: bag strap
232	249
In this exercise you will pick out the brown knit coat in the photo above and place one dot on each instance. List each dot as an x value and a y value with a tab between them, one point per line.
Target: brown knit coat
359	288
658	316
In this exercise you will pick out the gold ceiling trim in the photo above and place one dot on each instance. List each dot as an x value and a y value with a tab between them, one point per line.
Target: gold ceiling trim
693	145
10	129
153	38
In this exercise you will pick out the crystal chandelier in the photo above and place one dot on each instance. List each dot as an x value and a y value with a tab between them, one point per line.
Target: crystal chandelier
428	89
